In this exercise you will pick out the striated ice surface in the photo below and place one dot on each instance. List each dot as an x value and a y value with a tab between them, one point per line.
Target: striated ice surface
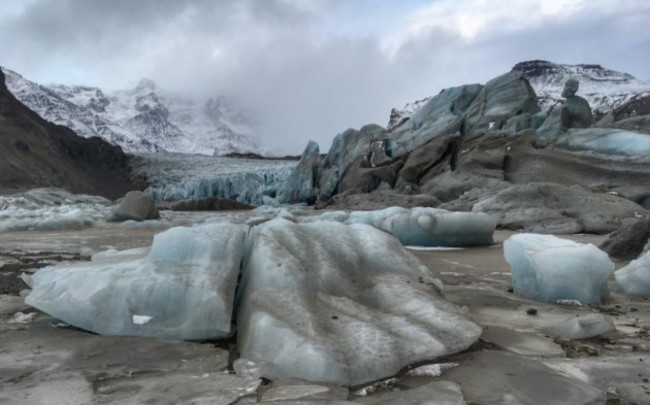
183	288
339	303
422	226
179	177
583	326
607	141
50	209
635	277
546	268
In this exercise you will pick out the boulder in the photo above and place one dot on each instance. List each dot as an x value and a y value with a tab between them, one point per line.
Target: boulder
558	209
136	206
627	243
301	185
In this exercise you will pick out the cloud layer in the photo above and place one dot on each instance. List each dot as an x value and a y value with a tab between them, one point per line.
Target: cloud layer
312	68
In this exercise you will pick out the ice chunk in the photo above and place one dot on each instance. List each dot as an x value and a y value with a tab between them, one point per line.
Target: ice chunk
635	277
183	288
421	226
338	303
583	326
546	268
429	226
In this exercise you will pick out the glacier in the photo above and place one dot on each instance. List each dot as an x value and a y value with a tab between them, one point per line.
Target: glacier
182	288
339	303
546	268
635	277
182	177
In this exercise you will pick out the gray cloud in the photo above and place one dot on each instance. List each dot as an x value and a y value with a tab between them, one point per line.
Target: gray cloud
289	61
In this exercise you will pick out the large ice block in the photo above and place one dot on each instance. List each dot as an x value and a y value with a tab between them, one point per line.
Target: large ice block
635	277
183	288
339	303
546	268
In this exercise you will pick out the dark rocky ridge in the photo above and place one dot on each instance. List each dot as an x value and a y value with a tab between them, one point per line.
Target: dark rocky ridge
36	153
489	148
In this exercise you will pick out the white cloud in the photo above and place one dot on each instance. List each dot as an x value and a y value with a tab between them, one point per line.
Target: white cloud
312	69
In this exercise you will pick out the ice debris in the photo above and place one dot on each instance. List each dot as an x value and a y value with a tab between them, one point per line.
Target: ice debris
546	268
50	209
338	303
635	277
183	288
583	327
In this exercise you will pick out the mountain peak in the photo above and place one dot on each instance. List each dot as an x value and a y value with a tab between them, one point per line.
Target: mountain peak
146	84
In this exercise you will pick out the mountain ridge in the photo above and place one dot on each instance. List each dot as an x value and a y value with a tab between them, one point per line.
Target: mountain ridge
605	89
143	119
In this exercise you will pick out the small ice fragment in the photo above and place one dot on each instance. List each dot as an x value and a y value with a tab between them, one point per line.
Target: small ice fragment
584	326
21	318
140	319
431	370
574	303
370	389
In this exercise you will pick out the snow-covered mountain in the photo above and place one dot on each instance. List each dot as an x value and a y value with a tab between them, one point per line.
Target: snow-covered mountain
603	88
142	119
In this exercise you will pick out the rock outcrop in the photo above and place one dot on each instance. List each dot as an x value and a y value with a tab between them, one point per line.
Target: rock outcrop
135	206
36	153
477	147
628	242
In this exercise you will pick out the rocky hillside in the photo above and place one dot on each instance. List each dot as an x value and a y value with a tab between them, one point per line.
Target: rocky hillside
603	88
142	119
37	153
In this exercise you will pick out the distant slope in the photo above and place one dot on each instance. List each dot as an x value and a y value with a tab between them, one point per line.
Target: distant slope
142	119
37	153
604	89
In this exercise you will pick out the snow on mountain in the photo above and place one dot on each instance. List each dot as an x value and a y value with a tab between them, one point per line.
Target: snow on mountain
397	116
142	119
603	88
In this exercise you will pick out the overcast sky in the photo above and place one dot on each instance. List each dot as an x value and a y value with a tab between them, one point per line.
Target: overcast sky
312	68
